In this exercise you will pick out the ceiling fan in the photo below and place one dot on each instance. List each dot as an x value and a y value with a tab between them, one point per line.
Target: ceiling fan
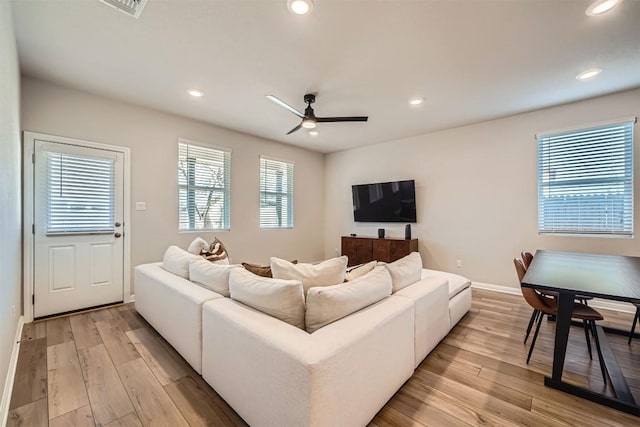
309	119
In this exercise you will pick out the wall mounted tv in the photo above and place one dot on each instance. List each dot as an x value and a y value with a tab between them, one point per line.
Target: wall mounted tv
393	201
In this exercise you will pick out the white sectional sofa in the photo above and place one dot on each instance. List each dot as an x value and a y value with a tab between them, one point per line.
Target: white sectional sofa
274	374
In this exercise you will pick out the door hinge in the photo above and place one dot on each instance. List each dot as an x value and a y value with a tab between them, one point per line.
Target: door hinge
33	229
33	299
33	158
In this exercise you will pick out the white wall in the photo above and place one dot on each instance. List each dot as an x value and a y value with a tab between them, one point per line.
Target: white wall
10	202
153	138
476	189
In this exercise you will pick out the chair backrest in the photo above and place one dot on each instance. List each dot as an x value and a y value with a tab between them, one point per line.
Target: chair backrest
527	257
533	298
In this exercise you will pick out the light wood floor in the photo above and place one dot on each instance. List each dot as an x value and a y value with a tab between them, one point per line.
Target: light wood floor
109	367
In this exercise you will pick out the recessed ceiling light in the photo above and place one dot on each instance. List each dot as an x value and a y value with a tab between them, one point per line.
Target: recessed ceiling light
195	93
416	100
599	7
300	7
589	74
313	132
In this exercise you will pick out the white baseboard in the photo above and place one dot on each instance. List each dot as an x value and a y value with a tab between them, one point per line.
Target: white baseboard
11	374
132	298
596	303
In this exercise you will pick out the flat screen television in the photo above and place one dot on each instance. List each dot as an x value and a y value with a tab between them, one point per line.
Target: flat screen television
393	201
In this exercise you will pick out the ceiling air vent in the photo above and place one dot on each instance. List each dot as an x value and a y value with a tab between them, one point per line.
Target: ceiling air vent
130	7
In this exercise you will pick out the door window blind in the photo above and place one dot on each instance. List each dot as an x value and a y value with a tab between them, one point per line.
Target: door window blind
585	181
80	194
203	187
276	193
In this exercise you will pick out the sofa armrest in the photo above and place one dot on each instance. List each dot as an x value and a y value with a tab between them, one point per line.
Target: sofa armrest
173	306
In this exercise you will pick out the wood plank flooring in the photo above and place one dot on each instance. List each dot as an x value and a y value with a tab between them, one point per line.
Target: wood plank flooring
110	368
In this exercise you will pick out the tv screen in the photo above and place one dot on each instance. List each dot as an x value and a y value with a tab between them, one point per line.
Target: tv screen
385	202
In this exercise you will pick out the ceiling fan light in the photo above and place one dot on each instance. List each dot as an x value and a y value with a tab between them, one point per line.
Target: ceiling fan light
300	7
589	74
309	124
599	7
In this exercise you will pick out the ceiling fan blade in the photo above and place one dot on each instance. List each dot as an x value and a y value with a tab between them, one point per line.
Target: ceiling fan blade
285	105
342	119
294	129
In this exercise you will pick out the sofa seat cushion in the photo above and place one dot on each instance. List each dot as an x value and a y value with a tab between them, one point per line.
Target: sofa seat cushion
457	283
326	304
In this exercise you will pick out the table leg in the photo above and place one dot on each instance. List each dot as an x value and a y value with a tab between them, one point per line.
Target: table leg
563	323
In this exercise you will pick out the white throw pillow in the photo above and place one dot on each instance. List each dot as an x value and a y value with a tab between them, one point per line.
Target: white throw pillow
177	261
330	303
282	299
359	271
198	245
405	271
326	273
212	276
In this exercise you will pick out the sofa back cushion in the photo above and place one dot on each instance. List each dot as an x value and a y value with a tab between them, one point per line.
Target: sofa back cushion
359	270
282	299
405	271
325	273
211	276
329	303
177	261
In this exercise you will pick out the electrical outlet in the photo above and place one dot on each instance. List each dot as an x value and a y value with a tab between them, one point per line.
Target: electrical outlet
459	263
141	206
337	251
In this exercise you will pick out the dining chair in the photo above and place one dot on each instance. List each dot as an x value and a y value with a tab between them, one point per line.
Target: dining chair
544	304
635	321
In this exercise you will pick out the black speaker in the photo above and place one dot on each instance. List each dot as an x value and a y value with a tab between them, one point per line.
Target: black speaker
381	233
407	231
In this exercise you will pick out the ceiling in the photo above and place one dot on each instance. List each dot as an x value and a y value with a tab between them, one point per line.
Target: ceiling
471	60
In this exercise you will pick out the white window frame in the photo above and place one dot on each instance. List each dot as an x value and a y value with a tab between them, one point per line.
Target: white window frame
289	193
225	189
556	147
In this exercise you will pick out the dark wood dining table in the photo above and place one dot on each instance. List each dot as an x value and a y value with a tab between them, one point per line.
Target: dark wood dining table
609	277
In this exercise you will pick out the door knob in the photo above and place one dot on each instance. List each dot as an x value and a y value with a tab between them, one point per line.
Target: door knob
118	224
118	235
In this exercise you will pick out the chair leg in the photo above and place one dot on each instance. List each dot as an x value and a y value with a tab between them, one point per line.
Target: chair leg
586	335
535	336
603	368
534	315
633	325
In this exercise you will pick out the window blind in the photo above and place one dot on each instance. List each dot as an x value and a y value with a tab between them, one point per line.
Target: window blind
585	181
80	194
276	193
204	183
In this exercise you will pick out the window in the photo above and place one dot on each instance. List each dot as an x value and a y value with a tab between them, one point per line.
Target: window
204	183
80	193
585	181
276	193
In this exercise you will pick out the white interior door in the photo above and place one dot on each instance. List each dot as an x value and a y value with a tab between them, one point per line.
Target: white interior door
78	221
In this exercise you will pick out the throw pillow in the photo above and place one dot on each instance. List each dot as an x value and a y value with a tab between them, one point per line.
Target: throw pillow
198	245
214	277
262	270
405	271
326	273
359	271
177	261
282	299
330	303
216	253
